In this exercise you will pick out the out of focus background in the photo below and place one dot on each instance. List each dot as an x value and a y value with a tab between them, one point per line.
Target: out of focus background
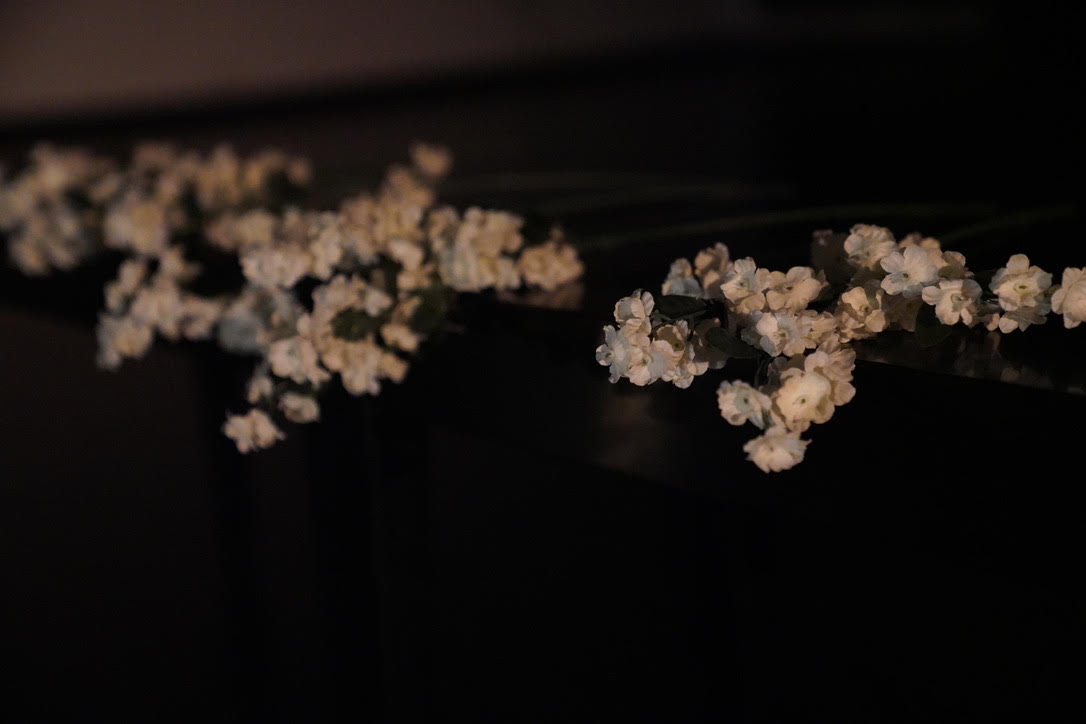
507	536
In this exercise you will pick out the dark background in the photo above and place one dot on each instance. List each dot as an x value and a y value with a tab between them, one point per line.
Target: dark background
507	536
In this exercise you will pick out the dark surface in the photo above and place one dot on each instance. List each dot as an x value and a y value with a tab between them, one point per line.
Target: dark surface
507	536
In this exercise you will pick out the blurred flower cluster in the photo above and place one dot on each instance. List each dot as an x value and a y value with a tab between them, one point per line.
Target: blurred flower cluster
798	327
351	293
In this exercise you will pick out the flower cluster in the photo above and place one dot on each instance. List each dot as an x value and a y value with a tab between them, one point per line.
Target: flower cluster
717	309
386	266
351	293
66	205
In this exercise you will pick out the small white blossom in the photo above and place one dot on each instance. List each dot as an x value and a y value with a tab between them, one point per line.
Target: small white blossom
120	337
252	431
804	398
908	271
793	291
649	362
260	387
632	313
299	408
744	286
681	280
1020	285
954	299
1070	298
549	265
867	245
711	267
296	358
859	311
740	403
776	450
778	334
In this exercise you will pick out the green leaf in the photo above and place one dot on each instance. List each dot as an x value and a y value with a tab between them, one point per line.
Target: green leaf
354	324
731	345
929	330
431	313
674	306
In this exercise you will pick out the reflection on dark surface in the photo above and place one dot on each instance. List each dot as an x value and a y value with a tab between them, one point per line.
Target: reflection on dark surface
509	537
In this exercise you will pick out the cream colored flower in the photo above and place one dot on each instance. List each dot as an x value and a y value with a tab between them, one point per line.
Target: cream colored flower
252	431
1070	298
681	280
860	313
549	265
299	408
777	334
908	271
804	398
1020	285
954	299
400	336
776	450
632	313
744	286
740	403
120	337
711	266
867	245
296	358
793	291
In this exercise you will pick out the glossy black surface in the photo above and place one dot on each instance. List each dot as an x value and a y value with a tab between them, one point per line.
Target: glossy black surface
507	536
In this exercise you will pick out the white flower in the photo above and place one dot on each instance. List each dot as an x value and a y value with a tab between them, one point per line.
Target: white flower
793	291
431	161
549	265
296	358
859	312
160	305
260	387
400	336
781	333
632	313
1020	285
711	266
740	403
908	271
952	266
681	280
836	364
120	337
804	397
252	431
823	327
648	363
363	366
299	408
954	299
409	254
1070	298
137	224
326	249
275	266
867	245
392	367
129	278
776	450
744	286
